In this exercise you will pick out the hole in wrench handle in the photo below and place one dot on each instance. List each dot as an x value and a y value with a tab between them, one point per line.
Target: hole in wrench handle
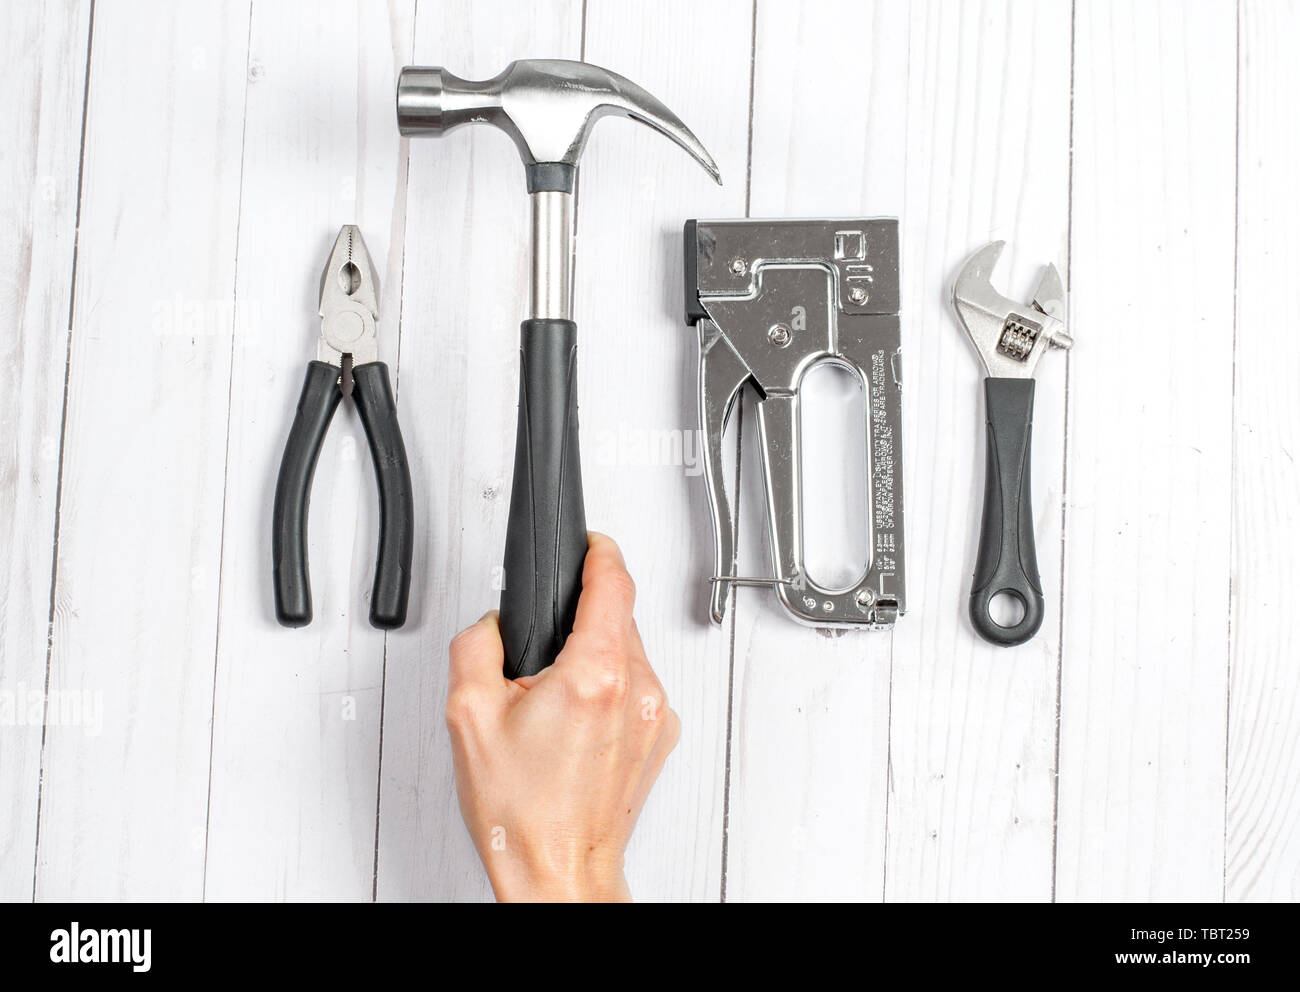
1007	560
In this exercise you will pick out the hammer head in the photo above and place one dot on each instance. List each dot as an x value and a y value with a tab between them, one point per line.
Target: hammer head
547	106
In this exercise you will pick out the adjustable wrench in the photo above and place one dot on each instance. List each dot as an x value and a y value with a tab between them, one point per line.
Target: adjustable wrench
1009	338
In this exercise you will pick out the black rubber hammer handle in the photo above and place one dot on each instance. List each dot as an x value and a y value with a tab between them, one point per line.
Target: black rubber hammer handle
546	533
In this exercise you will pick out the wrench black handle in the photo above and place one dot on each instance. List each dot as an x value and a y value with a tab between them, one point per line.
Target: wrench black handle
1007	561
546	534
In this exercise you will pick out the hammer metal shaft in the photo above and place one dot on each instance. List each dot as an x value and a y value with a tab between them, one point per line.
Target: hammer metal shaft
551	287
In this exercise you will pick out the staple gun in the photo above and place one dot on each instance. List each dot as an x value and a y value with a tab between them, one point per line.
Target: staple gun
771	299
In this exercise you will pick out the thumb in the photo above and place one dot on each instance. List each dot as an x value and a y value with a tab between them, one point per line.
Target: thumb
477	655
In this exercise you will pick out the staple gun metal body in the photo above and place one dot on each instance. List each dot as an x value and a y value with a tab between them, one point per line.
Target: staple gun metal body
771	299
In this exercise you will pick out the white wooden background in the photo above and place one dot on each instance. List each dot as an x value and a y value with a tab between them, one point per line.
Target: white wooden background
172	180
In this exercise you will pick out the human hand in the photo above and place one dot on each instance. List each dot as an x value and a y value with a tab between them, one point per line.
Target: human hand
552	769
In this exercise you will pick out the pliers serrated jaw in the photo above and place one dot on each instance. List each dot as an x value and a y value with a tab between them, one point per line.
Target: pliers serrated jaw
349	301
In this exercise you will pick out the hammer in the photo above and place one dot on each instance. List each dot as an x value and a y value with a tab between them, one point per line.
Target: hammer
548	107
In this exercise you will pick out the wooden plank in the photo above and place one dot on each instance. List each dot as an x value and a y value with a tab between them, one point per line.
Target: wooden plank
46	50
810	710
1143	695
972	743
465	291
1263	838
295	773
638	392
122	814
850	145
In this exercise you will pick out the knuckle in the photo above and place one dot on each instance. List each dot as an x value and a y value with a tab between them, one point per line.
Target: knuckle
672	729
608	684
465	642
654	707
613	683
603	685
601	676
463	709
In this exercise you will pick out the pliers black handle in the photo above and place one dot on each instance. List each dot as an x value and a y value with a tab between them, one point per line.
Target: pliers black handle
349	307
373	396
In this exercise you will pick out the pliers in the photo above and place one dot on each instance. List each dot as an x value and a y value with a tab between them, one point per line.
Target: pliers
349	293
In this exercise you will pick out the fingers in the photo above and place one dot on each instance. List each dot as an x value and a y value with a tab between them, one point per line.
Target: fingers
604	661
605	605
477	655
595	659
669	733
649	694
638	661
528	681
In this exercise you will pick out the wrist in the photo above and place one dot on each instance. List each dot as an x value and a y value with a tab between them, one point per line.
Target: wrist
528	881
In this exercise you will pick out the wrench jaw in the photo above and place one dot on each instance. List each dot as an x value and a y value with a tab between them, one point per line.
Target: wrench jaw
1009	337
1049	297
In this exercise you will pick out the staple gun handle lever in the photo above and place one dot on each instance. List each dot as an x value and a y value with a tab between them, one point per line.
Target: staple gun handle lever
1007	561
